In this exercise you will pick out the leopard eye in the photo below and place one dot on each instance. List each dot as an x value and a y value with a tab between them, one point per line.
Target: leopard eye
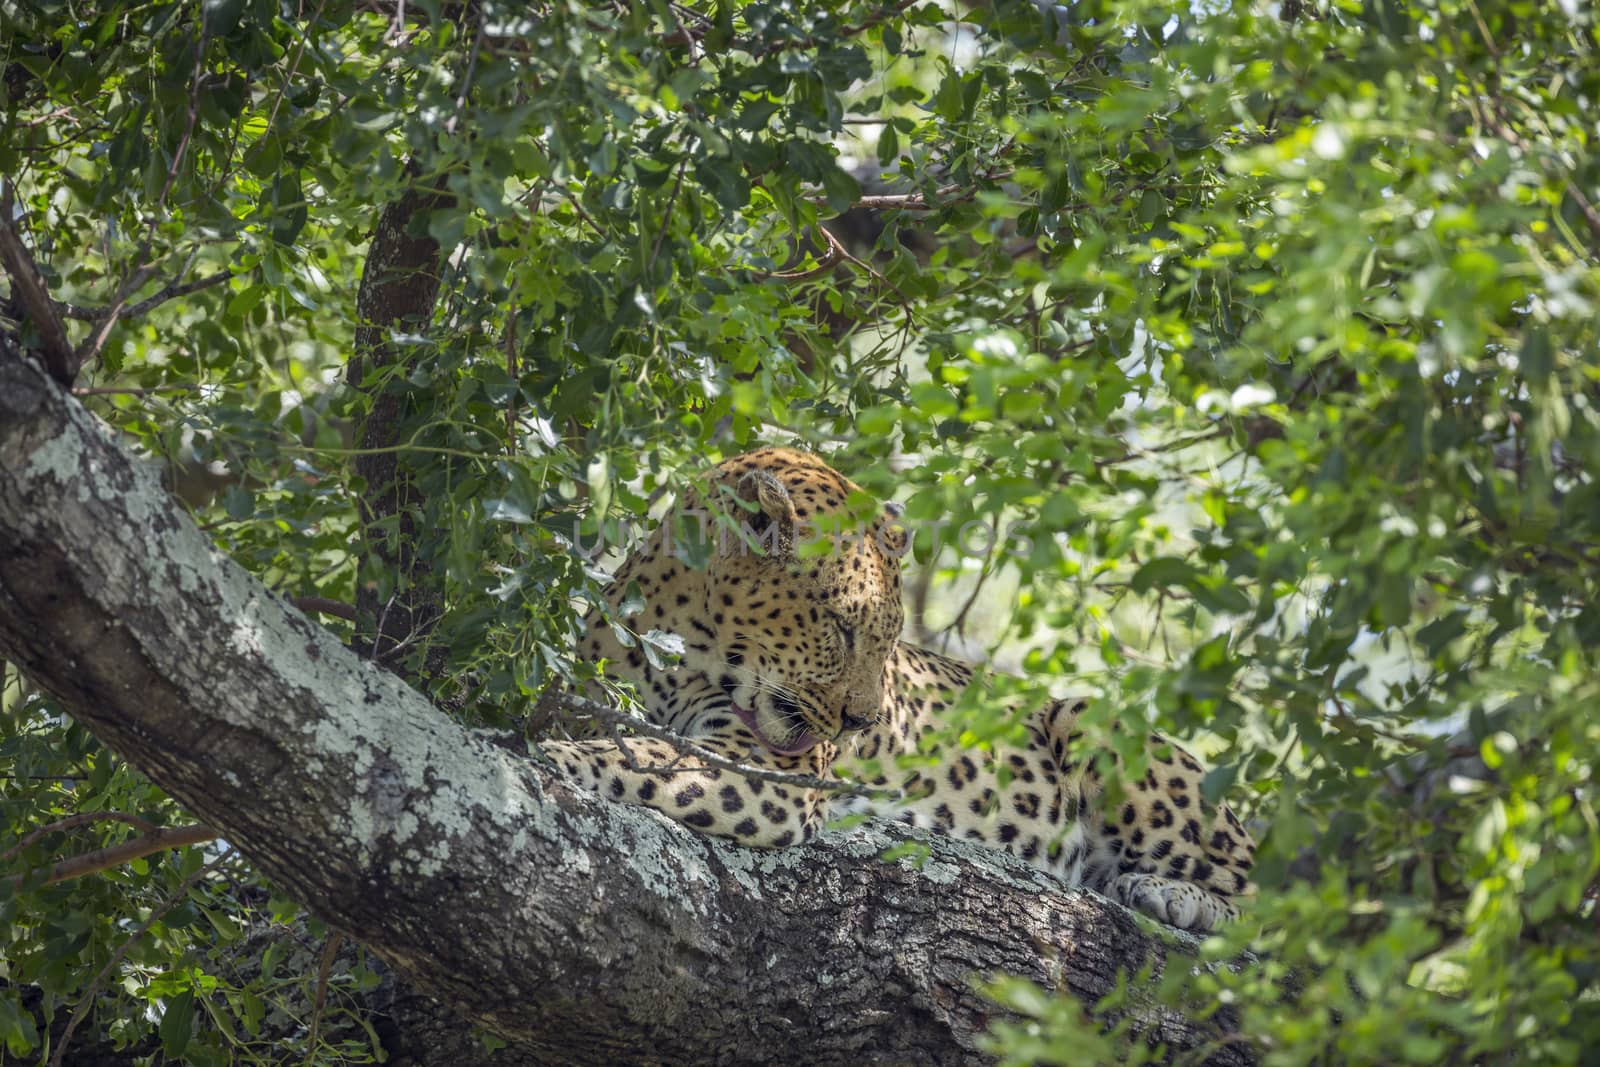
847	632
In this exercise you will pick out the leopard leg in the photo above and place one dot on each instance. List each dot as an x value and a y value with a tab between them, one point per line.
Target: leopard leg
713	800
1175	857
1155	845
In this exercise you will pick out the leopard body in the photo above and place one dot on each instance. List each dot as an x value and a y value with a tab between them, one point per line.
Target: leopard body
792	663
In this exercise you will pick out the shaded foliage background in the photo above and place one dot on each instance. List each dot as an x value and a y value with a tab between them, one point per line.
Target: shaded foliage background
1273	328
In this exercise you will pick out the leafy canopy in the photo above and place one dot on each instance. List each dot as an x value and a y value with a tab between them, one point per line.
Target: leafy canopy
1273	327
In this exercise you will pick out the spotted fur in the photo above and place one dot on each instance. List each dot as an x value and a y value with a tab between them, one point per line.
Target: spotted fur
791	657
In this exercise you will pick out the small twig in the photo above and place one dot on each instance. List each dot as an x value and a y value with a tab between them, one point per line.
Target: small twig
48	116
97	338
844	33
684	35
72	822
1177	444
143	268
324	606
28	289
1591	216
1496	113
905	301
172	901
544	710
959	623
170	291
117	390
835	255
104	859
910	201
277	99
330	952
615	730
942	196
593	710
466	81
511	368
188	130
666	220
584	215
830	259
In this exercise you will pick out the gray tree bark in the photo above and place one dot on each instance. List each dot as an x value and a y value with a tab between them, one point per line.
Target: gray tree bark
580	930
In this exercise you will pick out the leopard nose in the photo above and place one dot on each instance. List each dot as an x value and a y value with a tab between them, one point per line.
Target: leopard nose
854	722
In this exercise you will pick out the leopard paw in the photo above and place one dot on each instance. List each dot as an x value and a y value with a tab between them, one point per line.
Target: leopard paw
1182	904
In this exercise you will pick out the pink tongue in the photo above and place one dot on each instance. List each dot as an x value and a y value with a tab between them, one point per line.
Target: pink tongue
806	743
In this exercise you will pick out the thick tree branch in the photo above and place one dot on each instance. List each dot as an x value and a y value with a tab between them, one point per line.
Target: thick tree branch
581	930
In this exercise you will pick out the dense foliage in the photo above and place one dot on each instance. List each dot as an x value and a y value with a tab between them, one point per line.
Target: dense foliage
1267	334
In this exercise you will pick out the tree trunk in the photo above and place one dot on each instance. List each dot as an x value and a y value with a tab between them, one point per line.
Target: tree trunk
580	930
399	287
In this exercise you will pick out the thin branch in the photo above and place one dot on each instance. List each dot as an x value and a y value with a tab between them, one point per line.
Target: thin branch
173	900
72	822
1177	444
584	215
143	268
512	372
666	220
834	256
322	605
277	101
50	117
912	201
117	390
466	81
104	859
1498	119
686	36
330	952
943	196
959	623
905	301
28	290
1591	216
844	33
171	291
97	338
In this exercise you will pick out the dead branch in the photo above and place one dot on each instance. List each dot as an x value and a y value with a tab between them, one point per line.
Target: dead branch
28	290
72	822
115	856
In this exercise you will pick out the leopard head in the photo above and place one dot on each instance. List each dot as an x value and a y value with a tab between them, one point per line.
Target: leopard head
802	600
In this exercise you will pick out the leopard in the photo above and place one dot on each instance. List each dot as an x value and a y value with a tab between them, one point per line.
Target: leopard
792	662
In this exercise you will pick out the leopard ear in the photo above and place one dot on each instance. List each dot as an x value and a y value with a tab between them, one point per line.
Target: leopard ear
890	531
770	523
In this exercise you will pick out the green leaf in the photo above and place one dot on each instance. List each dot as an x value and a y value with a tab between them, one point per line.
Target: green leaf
947	101
177	1024
222	16
16	1025
1164	572
888	146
